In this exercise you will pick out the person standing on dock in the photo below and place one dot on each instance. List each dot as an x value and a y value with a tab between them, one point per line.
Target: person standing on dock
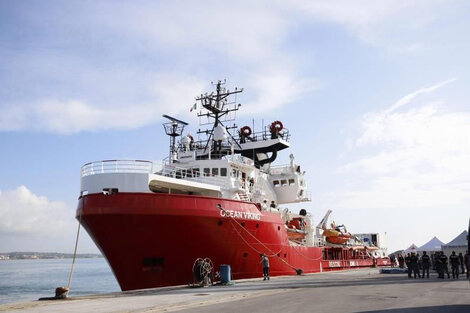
445	268
454	263
438	264
414	265
466	260
462	264
265	261
408	264
425	263
401	261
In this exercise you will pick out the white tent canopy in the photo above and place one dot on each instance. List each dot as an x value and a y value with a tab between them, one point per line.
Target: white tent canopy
412	248
458	244
460	240
432	245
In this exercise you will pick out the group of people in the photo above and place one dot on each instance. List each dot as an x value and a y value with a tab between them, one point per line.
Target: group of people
460	264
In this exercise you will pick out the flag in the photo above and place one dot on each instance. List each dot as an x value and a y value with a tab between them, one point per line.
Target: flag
193	107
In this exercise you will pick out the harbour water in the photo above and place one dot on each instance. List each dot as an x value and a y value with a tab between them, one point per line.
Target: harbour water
26	280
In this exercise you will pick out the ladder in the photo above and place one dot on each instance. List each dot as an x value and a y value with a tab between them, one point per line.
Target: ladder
243	195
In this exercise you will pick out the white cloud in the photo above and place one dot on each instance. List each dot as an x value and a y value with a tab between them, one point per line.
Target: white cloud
24	213
411	158
71	116
385	24
89	84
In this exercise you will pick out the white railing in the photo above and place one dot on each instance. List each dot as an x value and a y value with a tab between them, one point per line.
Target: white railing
149	167
117	166
280	169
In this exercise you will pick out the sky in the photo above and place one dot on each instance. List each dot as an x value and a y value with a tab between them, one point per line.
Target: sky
374	94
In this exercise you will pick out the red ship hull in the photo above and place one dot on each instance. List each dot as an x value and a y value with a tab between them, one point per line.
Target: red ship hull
152	240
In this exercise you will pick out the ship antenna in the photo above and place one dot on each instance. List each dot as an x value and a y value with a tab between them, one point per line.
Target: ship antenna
173	129
216	106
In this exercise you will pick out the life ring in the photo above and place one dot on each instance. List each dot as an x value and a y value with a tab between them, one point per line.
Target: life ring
245	131
276	127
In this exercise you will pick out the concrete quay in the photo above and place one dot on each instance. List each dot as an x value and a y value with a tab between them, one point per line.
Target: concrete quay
364	290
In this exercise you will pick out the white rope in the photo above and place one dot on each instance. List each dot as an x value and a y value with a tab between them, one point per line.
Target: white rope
75	251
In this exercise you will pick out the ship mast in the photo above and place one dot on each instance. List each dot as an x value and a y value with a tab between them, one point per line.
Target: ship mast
174	129
217	107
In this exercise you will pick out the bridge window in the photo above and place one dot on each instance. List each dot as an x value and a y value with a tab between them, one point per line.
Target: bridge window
207	171
223	171
215	171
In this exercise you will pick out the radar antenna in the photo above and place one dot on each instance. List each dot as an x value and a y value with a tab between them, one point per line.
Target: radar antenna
174	128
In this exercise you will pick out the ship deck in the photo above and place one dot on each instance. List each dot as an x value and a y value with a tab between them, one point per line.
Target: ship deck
363	290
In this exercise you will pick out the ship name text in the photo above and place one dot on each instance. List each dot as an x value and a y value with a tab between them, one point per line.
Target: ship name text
238	214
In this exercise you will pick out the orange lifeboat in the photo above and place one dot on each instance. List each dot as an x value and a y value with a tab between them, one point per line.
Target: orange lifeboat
296	229
336	237
336	234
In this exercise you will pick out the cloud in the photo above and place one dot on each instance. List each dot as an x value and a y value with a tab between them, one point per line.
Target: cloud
415	157
71	116
123	65
24	213
389	25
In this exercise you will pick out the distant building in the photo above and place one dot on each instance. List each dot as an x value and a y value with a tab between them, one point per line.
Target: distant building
378	240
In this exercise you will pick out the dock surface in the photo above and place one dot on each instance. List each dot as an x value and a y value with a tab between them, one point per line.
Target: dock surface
364	290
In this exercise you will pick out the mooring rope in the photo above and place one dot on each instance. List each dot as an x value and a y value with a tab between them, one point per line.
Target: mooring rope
249	245
75	251
297	270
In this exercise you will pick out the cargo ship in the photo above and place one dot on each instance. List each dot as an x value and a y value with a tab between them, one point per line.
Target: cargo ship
219	198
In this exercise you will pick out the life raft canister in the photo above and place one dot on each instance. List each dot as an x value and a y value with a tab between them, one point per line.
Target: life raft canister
276	127
245	131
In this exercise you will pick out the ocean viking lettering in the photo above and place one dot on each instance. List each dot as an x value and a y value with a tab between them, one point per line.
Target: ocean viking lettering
239	214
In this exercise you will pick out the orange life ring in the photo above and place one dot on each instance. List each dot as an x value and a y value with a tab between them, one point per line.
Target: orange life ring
245	131
276	127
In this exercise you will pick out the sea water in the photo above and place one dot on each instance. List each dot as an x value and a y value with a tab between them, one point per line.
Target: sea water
26	280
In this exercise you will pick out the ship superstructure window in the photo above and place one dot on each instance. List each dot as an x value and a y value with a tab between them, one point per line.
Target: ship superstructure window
196	172
235	173
291	182
215	171
207	171
276	183
223	171
284	182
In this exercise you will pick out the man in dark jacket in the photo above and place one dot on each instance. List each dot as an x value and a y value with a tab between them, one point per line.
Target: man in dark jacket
445	268
454	263
425	263
438	264
414	264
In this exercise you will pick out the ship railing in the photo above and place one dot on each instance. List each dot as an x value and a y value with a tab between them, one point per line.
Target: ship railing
201	145
266	134
281	169
307	196
237	158
117	166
